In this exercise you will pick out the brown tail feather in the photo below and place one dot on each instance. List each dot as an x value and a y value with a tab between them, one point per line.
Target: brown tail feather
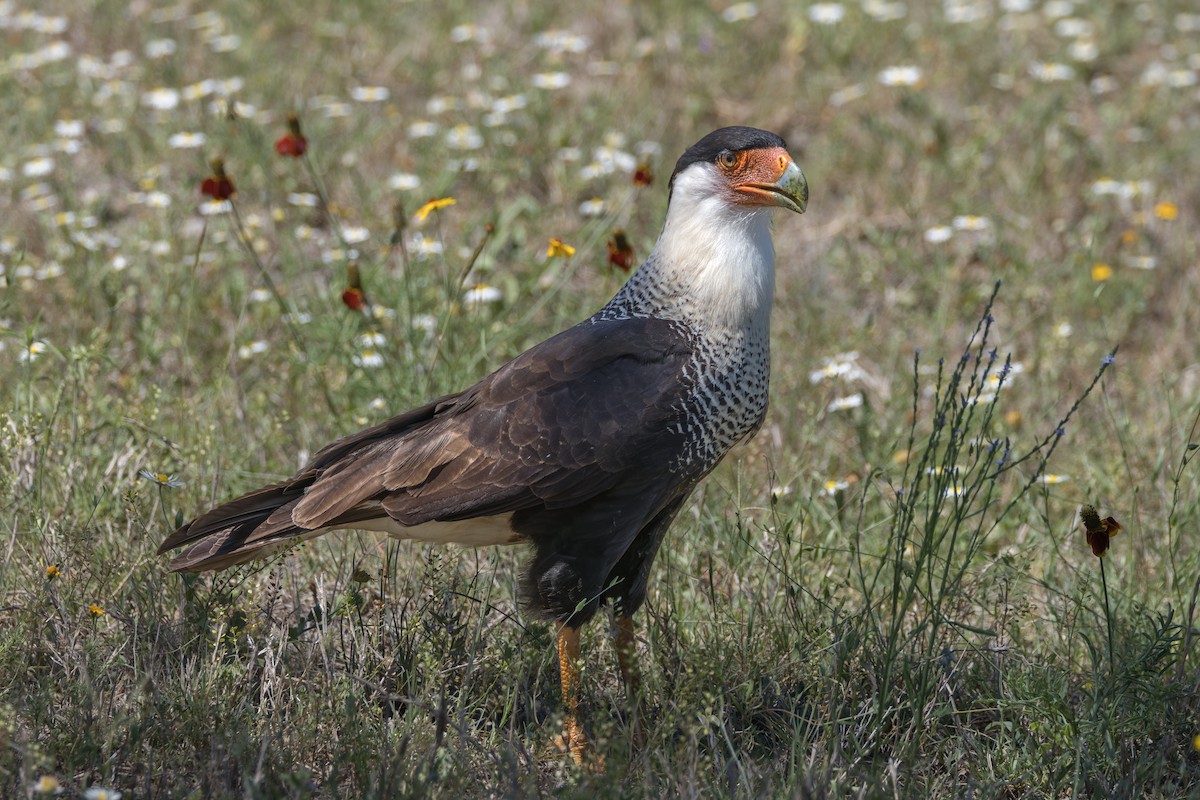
237	531
226	549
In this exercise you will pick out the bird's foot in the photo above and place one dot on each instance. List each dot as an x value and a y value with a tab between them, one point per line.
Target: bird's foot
573	741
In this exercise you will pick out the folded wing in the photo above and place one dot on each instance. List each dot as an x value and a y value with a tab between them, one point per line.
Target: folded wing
599	405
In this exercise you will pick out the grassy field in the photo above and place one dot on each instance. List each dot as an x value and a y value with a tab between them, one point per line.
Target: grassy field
888	593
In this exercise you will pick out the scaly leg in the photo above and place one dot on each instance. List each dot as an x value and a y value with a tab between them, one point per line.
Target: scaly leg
627	657
574	740
631	676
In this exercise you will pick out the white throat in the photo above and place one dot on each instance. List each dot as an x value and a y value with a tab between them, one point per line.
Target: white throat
713	264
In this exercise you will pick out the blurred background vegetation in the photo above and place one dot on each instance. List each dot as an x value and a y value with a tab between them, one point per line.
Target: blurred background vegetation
887	593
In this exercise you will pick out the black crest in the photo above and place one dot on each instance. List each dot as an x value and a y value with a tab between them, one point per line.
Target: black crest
733	139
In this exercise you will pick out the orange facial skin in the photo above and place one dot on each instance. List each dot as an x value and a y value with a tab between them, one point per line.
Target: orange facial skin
762	177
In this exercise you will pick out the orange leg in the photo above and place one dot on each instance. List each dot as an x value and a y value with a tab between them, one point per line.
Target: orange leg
574	740
627	657
631	676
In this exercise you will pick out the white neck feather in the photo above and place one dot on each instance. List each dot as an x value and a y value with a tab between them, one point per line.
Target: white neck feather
714	263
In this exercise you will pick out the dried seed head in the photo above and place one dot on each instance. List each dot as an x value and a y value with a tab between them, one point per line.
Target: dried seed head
1091	520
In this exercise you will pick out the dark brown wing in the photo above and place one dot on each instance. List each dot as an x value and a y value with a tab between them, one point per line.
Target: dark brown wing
253	508
555	426
560	424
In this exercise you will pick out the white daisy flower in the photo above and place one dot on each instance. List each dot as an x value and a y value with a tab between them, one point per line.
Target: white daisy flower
37	167
482	293
354	234
371	339
163	98
900	76
370	94
402	181
1051	72
32	351
100	793
831	488
971	222
159	48
68	128
422	129
303	199
594	207
551	80
884	11
826	13
368	358
212	208
187	141
938	234
739	12
464	137
253	348
846	403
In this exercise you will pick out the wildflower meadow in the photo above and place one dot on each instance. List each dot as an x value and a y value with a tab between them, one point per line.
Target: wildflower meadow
961	559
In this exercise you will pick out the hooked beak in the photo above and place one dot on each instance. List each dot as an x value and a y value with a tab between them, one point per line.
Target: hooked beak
789	191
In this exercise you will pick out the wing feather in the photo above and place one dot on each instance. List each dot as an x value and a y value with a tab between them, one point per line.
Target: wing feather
600	404
555	426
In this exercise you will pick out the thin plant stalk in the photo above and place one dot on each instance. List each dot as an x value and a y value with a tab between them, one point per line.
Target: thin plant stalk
286	310
1112	664
462	276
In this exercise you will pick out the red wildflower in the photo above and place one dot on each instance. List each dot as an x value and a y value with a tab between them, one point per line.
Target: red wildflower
1099	531
354	297
620	251
218	185
292	144
643	175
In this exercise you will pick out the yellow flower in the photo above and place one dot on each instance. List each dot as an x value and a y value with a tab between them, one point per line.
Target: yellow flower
437	204
1196	743
95	610
559	248
1128	236
1101	272
53	572
1166	210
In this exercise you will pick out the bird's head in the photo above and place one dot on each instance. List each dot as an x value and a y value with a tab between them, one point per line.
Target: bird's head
714	261
741	168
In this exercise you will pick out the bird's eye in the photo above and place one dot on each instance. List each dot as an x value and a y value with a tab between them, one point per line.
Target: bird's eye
726	159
